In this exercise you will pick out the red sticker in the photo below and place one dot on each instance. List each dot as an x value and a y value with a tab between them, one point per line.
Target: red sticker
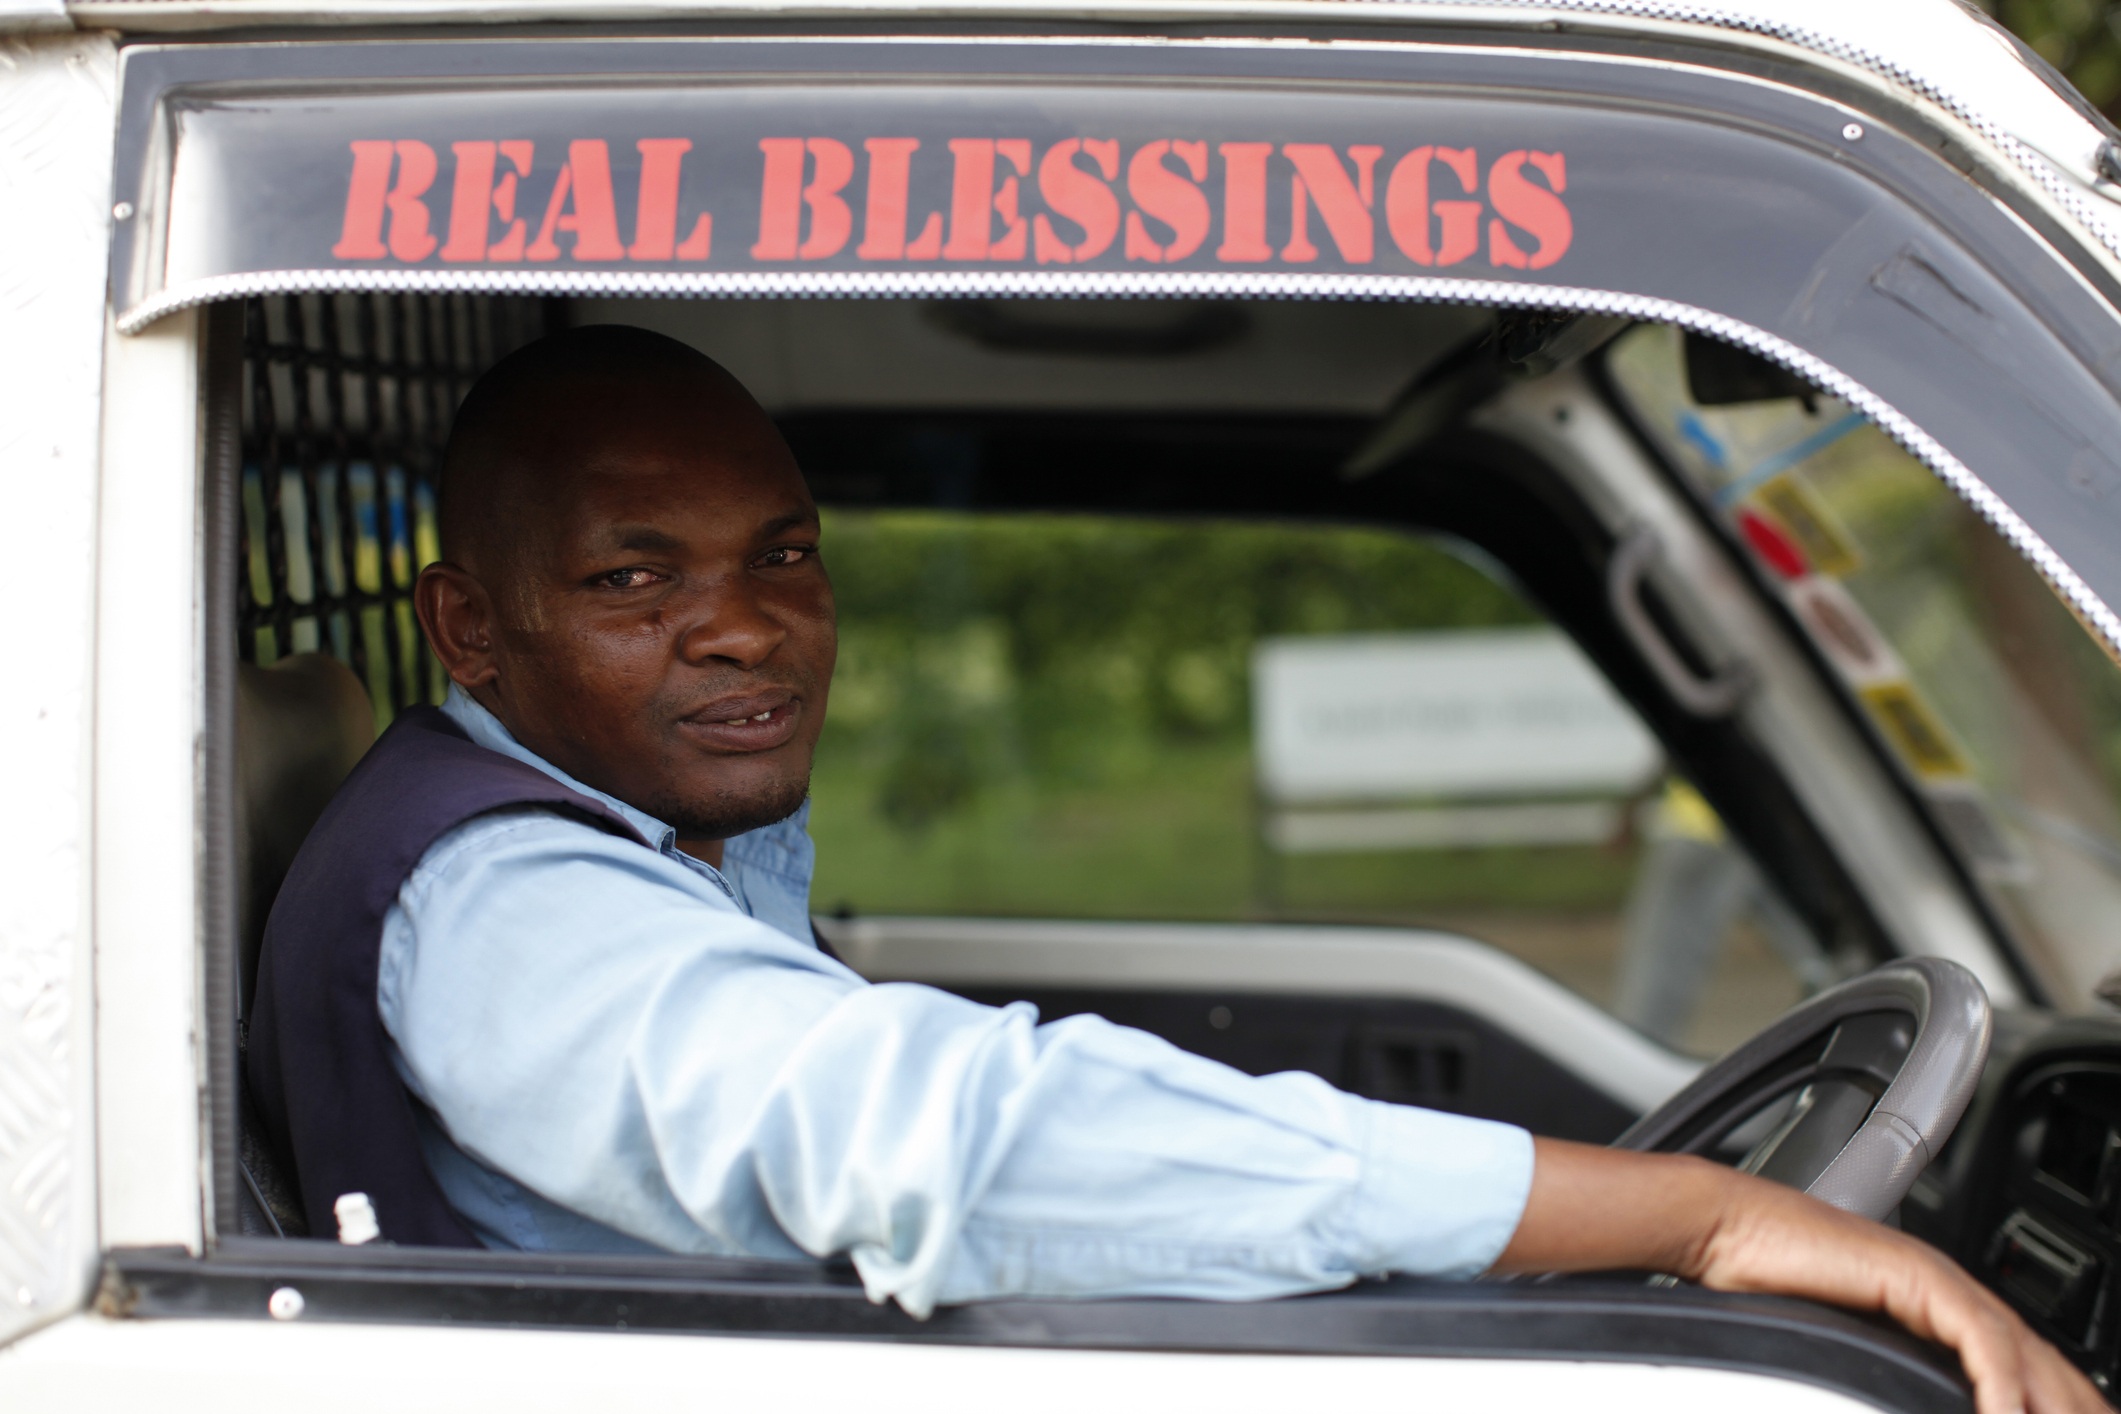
1771	545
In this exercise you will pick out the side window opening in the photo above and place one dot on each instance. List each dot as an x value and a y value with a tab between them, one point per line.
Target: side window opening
1111	659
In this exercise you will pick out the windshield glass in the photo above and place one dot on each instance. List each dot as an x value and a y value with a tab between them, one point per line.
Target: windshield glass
1084	716
1997	705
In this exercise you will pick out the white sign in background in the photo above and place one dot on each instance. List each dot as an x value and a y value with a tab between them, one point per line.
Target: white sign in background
1458	714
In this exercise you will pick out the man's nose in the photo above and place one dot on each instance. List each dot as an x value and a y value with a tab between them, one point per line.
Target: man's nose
732	624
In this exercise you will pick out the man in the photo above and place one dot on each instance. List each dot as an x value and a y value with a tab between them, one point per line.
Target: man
567	917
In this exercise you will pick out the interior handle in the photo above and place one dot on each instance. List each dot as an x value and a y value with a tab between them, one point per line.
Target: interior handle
1716	695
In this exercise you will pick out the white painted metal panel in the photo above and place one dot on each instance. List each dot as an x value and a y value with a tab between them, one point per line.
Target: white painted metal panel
34	15
148	713
178	1367
56	105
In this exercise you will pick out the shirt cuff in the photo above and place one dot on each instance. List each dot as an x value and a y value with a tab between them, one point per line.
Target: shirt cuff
1440	1195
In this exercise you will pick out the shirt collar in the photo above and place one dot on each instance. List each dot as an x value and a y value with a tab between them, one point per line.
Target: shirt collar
485	729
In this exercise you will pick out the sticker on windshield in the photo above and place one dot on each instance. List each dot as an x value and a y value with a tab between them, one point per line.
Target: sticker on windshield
1826	546
1970	824
1917	733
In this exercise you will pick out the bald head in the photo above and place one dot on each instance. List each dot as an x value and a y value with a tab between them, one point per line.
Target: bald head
630	579
568	405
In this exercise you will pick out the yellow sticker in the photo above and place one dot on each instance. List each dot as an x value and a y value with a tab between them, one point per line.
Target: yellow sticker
1683	814
1921	738
1816	529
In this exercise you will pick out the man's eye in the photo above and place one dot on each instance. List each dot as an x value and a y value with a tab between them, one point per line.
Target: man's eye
627	579
786	555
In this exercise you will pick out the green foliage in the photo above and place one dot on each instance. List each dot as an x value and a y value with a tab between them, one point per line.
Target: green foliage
2082	38
1081	648
1050	715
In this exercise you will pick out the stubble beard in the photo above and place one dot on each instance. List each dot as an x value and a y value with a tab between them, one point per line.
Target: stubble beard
723	818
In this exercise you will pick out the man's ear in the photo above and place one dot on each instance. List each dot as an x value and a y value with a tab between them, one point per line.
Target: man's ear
456	614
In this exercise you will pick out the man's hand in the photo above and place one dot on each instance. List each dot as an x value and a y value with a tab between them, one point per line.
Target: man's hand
1593	1209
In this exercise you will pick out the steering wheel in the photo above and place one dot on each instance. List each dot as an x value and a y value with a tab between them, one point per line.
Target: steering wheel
1871	1075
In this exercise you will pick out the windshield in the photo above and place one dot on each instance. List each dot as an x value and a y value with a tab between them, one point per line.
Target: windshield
1999	708
1222	721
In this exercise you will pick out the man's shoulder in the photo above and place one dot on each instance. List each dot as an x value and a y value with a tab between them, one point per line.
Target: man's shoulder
426	776
420	782
547	863
532	834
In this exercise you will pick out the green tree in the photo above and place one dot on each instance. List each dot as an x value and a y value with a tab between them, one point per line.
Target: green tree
2082	38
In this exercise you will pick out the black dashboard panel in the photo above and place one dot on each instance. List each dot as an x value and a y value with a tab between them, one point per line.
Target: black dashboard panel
2055	1243
2028	1193
1383	1048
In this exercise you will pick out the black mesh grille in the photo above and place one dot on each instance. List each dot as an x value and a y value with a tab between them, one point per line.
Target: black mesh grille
347	401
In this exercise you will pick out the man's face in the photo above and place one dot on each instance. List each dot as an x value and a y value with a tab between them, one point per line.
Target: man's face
661	624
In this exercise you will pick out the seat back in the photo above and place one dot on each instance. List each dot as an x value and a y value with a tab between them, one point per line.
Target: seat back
301	724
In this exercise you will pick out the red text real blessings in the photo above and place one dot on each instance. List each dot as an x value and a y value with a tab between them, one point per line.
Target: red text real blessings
1077	201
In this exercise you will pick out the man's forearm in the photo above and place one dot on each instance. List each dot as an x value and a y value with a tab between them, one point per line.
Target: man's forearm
1594	1208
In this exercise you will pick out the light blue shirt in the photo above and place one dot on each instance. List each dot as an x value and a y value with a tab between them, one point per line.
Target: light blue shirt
625	1048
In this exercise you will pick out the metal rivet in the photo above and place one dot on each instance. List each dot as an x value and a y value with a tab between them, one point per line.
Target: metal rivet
285	1304
123	211
1853	132
1220	1018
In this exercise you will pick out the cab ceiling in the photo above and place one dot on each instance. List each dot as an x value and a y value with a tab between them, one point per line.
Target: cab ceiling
1164	356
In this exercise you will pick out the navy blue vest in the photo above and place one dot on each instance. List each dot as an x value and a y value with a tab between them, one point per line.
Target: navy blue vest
319	1065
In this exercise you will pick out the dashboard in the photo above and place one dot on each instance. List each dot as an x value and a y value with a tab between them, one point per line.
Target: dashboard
2027	1193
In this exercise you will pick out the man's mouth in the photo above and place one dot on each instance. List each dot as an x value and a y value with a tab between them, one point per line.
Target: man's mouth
759	722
